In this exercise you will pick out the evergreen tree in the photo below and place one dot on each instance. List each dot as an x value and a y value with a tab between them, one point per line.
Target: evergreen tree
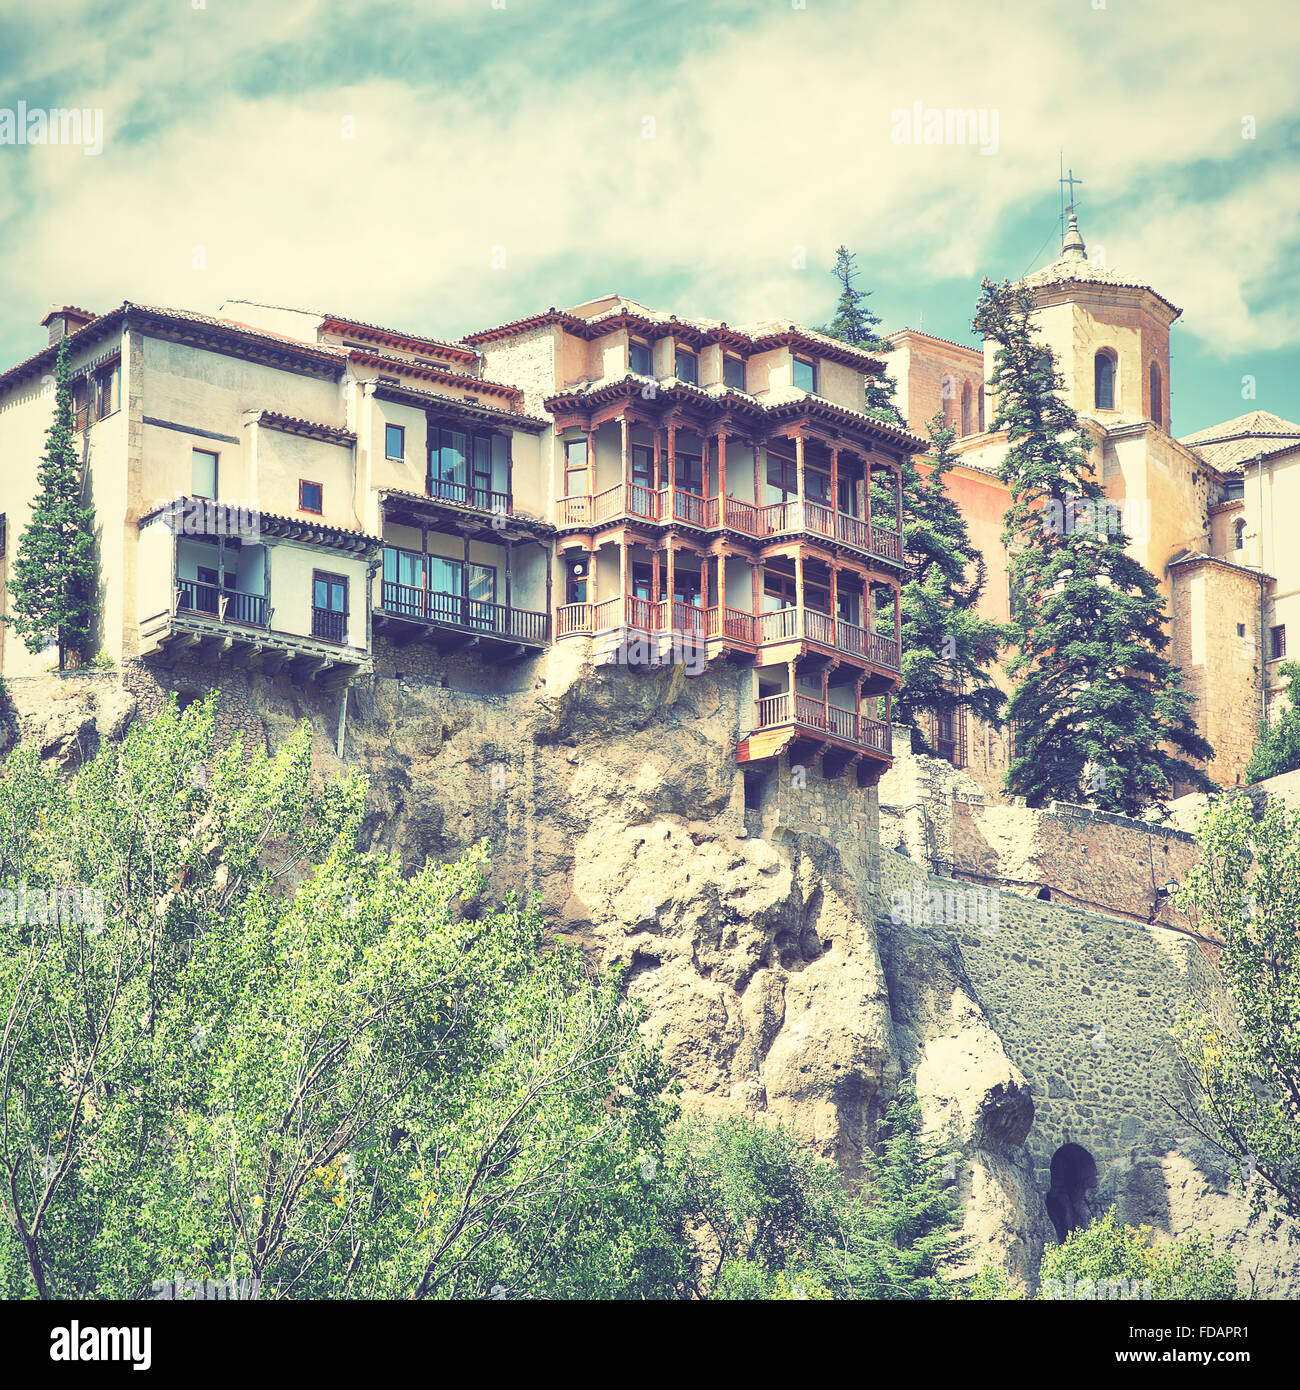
854	323
1103	713
1277	745
947	646
52	592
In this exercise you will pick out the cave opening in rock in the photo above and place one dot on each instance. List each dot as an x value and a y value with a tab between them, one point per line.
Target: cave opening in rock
1074	1175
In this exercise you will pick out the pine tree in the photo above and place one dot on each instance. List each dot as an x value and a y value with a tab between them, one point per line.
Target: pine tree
854	323
52	592
947	646
1103	714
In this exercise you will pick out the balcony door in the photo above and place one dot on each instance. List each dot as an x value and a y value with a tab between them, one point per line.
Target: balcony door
405	582
462	594
329	614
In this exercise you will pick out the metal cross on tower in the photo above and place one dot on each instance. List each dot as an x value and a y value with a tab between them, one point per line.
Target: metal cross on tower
1067	204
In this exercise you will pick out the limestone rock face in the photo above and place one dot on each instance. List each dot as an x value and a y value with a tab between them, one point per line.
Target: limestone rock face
747	905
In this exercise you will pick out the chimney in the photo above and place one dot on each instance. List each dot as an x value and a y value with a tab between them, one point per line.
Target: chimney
64	320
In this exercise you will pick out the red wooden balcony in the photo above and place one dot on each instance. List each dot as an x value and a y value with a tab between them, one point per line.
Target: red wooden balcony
635	501
811	714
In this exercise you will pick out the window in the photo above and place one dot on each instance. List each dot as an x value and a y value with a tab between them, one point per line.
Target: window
1239	535
1234	490
329	610
948	399
469	468
1241	629
1157	396
967	409
643	466
104	399
639	358
688	473
1103	380
310	496
805	375
395	441
687	366
575	467
733	372
203	474
575	581
1277	642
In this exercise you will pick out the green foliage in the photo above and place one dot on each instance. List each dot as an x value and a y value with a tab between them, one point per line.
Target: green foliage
1277	745
52	592
991	1285
1107	1260
1103	713
947	646
855	323
1240	1045
348	1083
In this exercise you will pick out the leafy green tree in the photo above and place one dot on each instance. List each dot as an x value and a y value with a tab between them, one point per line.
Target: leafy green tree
52	593
855	323
947	646
1239	1045
232	1045
1103	713
1105	1260
1277	745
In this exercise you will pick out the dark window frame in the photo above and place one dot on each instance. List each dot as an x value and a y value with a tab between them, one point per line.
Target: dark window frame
635	345
729	359
1277	642
684	354
811	364
318	510
389	427
570	469
216	473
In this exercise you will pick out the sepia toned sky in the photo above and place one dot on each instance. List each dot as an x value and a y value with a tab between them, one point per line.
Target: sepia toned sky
441	165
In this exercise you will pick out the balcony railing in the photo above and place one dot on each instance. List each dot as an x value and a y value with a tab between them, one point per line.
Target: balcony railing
468	495
773	712
789	517
466	614
329	625
226	605
841	635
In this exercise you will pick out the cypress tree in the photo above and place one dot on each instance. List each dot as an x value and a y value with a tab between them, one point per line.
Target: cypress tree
52	591
1103	714
947	646
855	323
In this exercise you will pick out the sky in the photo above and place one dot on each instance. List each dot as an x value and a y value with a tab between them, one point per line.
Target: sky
445	165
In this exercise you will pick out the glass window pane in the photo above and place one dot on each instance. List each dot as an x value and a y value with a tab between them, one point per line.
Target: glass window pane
445	575
453	456
639	359
733	372
805	377
394	441
500	467
204	474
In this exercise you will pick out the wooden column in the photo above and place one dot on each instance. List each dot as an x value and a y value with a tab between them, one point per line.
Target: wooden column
591	472
722	478
592	595
758	480
898	494
835	483
509	548
798	470
826	693
704	581
464	585
622	571
790	671
623	425
898	627
658	462
550	565
798	594
835	612
722	590
756	589
672	586
672	463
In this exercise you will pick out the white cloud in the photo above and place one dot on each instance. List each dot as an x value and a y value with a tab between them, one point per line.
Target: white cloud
766	139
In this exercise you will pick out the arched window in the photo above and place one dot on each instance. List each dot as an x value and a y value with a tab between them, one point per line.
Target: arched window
1239	535
980	399
967	410
1157	396
948	393
1103	377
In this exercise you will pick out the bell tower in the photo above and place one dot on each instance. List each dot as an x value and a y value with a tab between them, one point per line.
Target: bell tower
1110	335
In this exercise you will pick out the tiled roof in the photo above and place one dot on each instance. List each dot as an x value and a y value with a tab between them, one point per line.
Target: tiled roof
293	424
1230	445
1072	266
431	371
934	338
392	335
753	337
458	405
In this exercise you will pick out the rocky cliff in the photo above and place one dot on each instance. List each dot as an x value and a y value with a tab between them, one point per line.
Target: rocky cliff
749	910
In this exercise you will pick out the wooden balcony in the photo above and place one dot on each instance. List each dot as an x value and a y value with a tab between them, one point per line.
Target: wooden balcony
839	737
732	627
834	634
225	605
677	506
453	620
